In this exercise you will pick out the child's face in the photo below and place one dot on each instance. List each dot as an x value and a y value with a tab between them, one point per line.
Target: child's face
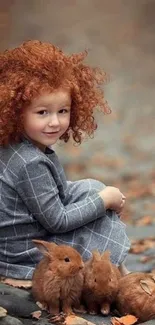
47	118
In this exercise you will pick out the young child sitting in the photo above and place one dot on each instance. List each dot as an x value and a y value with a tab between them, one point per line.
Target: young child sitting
47	95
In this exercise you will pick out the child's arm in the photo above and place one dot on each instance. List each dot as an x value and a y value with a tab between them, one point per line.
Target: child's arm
38	190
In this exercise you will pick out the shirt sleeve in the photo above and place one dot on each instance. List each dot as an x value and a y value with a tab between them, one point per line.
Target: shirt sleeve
38	190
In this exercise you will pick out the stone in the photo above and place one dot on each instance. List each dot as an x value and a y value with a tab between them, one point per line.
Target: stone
8	320
17	302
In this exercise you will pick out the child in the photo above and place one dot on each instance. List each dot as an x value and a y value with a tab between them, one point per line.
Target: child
45	96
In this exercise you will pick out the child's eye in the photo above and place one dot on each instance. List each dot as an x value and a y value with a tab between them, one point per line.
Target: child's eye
63	111
42	112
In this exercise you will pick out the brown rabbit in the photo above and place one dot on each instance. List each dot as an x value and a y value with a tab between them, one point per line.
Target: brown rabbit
100	283
136	295
58	278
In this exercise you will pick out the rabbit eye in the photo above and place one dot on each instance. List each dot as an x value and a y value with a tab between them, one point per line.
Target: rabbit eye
67	259
95	280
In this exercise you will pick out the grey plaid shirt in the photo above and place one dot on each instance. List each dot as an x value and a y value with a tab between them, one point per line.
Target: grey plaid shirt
34	204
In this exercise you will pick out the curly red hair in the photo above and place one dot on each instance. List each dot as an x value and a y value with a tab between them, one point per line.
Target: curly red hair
35	67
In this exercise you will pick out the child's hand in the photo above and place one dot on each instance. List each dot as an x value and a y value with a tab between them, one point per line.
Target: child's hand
113	199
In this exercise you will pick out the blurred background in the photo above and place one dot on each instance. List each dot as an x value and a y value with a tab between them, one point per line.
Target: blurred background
119	35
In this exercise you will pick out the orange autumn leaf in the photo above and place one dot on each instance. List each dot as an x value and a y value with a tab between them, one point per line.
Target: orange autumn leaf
125	320
17	283
74	320
146	220
141	245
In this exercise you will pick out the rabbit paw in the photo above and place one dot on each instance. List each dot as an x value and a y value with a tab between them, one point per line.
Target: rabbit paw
105	309
58	319
80	309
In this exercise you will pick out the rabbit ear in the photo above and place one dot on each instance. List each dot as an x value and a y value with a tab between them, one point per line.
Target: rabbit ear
147	286
105	255
44	246
96	256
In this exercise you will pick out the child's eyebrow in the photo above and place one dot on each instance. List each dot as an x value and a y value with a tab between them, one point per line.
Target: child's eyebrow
46	104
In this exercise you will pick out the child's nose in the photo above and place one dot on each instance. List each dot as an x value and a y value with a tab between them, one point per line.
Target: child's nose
54	120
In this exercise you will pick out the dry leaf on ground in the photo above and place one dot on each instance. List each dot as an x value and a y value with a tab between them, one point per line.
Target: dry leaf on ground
76	320
141	245
125	320
17	283
36	314
3	312
146	220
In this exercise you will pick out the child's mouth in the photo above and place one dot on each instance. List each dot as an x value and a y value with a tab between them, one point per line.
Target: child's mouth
51	133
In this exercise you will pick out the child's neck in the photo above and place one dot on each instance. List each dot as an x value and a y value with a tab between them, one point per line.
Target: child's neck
38	145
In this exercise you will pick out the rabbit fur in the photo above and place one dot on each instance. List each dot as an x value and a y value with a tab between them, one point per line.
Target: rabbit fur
136	295
100	283
58	278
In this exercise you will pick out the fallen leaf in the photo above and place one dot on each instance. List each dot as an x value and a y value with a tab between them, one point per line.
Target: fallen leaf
36	314
146	220
17	283
125	320
76	320
3	312
140	245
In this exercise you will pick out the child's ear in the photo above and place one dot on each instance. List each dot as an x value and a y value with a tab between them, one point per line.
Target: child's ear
44	246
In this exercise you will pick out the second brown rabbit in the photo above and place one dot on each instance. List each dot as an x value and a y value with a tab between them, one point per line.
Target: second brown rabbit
58	278
100	283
